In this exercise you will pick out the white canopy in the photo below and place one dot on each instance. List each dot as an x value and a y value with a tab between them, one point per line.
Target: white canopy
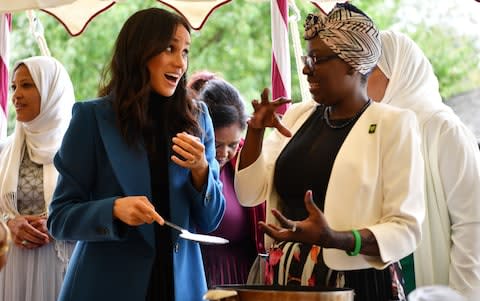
75	14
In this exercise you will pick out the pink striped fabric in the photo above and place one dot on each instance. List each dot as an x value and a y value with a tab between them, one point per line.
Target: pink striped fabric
281	78
5	27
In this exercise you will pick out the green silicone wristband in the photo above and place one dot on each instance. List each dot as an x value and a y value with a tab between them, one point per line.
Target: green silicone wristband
358	243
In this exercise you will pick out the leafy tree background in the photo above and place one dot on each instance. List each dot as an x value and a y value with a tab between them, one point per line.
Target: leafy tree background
235	42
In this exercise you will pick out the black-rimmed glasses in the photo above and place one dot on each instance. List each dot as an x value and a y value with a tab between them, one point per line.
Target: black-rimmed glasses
310	60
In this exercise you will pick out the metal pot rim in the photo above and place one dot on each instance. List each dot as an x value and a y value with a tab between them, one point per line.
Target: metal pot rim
296	289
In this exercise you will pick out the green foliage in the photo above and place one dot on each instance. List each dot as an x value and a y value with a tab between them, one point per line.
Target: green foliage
454	58
384	13
83	56
236	43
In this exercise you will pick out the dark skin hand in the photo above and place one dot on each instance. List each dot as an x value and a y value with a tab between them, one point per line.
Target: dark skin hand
30	228
264	115
315	230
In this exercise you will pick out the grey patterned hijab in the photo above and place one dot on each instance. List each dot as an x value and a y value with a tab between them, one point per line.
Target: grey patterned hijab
350	33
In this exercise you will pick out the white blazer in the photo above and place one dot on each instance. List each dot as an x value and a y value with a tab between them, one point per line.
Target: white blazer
376	183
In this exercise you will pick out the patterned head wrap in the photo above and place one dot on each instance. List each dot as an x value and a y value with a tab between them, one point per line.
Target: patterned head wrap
350	33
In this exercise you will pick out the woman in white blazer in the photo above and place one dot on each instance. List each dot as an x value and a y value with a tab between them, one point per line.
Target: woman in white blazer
358	161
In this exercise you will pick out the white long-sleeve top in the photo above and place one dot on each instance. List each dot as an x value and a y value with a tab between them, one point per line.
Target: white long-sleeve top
450	251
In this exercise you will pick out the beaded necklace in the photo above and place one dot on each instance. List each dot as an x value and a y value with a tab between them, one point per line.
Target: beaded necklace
326	114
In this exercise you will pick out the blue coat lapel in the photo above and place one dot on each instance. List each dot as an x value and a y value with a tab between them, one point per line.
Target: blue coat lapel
130	165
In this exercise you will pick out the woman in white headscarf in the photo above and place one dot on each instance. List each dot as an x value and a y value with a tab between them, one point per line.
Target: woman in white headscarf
449	253
43	98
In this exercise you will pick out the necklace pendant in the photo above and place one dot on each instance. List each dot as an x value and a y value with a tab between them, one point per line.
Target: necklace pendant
326	117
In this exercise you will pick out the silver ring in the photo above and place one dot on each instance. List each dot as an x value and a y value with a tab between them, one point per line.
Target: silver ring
193	161
24	242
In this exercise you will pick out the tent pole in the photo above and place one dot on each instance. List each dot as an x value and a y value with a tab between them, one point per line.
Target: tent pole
281	74
297	48
36	28
5	28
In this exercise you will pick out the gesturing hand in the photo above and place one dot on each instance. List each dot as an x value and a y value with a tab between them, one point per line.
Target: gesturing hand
264	114
191	149
136	210
313	230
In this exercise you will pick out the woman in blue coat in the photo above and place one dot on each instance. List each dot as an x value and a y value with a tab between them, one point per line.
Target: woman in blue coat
142	152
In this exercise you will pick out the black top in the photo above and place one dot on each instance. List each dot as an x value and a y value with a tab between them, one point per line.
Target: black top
157	142
306	163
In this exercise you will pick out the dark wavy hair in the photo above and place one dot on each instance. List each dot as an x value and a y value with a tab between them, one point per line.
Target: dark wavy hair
225	104
126	78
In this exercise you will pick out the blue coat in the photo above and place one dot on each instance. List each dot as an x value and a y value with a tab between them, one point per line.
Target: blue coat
112	261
